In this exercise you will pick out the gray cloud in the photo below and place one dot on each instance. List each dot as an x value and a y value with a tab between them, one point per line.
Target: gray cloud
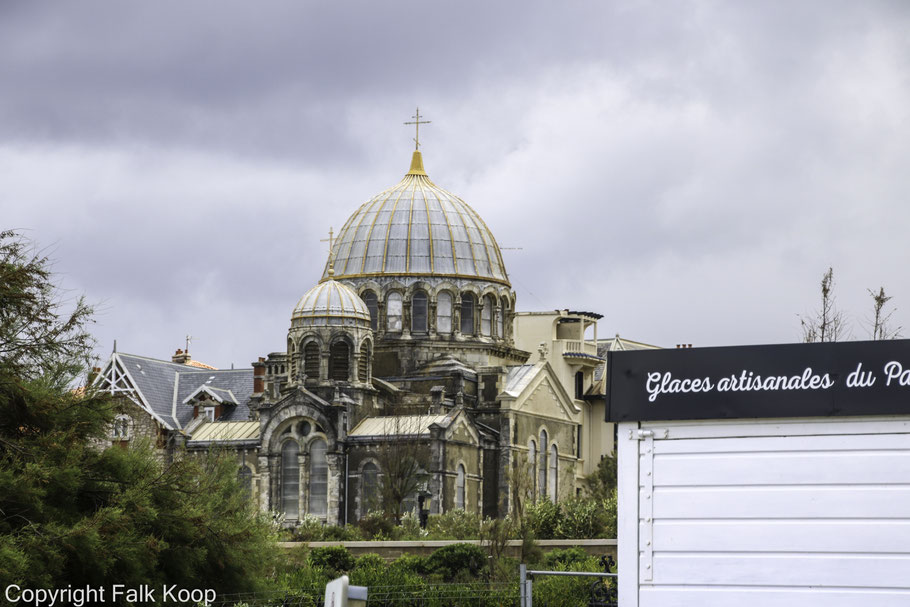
687	169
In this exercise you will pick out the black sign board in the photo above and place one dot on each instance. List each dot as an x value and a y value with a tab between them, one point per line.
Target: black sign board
793	380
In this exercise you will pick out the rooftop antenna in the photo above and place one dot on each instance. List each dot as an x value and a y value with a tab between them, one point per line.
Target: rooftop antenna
189	340
417	122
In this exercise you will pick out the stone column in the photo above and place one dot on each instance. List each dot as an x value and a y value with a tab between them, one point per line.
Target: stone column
324	356
303	460
355	371
264	483
274	473
431	317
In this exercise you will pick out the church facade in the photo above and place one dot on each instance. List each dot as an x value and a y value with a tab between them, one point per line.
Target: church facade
406	371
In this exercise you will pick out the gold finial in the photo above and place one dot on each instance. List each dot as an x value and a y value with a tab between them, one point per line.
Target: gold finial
417	122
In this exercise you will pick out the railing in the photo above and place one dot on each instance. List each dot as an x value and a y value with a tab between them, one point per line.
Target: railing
602	594
579	346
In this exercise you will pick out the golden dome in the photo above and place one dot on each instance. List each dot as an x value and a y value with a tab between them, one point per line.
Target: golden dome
415	228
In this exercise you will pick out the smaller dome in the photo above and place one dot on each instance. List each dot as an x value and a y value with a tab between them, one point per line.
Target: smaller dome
330	303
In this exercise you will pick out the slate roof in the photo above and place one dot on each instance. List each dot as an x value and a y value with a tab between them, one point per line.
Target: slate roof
163	385
519	377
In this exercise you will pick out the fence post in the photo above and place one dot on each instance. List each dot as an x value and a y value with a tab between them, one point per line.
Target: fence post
522	576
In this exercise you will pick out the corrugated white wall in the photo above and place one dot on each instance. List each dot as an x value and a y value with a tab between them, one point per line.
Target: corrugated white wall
766	512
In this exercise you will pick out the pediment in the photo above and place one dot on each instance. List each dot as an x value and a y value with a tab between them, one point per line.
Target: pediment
545	397
462	430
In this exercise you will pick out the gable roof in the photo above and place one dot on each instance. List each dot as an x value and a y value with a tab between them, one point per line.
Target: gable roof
523	380
161	387
616	344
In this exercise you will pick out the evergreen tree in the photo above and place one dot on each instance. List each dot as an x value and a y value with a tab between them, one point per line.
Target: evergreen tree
72	512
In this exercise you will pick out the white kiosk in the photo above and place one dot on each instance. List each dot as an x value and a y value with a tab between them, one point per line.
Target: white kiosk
776	476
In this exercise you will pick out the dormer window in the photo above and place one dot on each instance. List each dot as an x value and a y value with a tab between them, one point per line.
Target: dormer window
209	413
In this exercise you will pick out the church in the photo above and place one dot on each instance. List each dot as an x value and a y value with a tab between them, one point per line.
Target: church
405	369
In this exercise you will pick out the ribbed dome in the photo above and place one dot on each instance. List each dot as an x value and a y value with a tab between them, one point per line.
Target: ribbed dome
416	228
330	303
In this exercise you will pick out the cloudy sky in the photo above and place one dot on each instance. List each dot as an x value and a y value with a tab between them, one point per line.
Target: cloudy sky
687	169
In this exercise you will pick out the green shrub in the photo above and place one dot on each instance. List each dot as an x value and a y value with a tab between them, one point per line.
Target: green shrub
347	533
581	518
409	529
411	563
560	558
376	526
458	562
455	524
609	513
372	571
370	560
309	529
542	518
334	560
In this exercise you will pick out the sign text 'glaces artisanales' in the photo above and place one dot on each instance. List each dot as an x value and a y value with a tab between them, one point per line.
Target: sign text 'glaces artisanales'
794	380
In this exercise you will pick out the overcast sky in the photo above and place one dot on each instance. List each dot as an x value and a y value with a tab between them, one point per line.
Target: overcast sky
687	169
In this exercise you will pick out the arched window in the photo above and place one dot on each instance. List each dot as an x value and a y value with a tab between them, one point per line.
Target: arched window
120	429
542	465
319	478
290	479
532	464
311	360
369	488
486	316
363	365
245	478
467	313
393	312
339	362
459	488
419	312
369	298
554	465
444	312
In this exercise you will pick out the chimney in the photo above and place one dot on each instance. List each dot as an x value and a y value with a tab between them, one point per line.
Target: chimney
436	394
180	357
259	376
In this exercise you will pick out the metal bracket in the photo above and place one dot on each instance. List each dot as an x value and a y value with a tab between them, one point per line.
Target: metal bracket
646	496
646	434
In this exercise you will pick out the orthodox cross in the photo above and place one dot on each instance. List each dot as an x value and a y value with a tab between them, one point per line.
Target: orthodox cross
330	239
417	122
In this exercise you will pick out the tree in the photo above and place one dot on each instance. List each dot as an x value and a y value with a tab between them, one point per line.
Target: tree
403	460
828	323
74	513
602	482
881	317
